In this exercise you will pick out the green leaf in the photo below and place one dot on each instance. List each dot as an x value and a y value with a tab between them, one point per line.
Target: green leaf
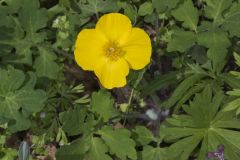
131	12
33	19
45	64
7	153
159	82
232	20
26	31
11	6
203	123
234	92
237	58
183	153
183	87
164	5
214	38
75	150
188	14
14	96
217	41
30	100
99	6
76	121
119	142
134	78
231	138
151	153
215	9
235	104
187	95
181	40
103	104
98	150
230	80
145	9
143	136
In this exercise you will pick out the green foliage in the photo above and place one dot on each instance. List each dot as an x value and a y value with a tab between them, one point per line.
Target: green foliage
206	124
77	115
163	5
235	104
178	44
190	21
7	153
124	148
231	19
98	6
152	153
17	92
25	33
191	86
102	104
96	147
145	9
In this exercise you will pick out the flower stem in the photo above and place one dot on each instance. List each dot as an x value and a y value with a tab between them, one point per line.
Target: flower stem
128	105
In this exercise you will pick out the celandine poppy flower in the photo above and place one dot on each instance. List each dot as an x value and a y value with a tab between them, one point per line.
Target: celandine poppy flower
112	48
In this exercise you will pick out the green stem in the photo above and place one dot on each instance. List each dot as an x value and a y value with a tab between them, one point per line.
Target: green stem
97	15
128	105
130	98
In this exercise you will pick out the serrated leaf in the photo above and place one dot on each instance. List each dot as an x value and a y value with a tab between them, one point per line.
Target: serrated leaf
131	12
15	96
119	142
184	153
181	40
184	86
232	20
145	9
31	100
26	32
217	41
76	121
143	136
163	5
203	123
98	150
75	150
188	14
151	153
102	103
187	95
214	38
45	64
99	6
214	9
27	16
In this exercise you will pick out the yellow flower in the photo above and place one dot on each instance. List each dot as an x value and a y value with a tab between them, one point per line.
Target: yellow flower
112	48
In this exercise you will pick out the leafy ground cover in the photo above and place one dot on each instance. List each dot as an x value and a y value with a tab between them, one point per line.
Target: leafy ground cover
184	104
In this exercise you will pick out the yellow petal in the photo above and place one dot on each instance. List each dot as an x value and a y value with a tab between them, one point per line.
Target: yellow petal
115	26
138	49
112	73
88	48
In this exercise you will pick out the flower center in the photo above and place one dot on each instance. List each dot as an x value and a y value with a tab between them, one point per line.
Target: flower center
113	51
